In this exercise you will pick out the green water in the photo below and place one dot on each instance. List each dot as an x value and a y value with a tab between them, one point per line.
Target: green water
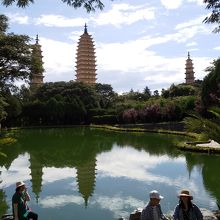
83	173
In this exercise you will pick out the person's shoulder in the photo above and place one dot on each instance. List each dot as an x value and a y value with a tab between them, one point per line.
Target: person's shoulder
177	206
147	206
15	197
195	206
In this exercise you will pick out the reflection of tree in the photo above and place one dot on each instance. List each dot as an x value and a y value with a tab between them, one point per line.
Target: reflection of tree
78	147
3	203
210	171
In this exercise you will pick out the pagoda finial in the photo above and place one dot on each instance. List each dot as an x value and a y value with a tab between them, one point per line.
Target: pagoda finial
37	39
85	29
188	55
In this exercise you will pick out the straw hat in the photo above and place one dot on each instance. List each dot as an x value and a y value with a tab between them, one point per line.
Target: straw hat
185	193
18	184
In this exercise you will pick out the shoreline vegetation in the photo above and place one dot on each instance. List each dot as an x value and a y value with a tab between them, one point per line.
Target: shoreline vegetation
193	146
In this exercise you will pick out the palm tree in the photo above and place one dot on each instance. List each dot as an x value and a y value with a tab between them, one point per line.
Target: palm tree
208	128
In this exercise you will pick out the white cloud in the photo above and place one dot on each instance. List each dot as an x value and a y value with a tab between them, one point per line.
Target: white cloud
18	18
171	4
217	48
191	44
60	21
124	14
59	59
199	2
193	22
125	58
75	35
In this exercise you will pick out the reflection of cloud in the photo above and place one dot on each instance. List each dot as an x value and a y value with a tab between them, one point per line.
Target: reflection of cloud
51	174
61	200
133	164
118	204
18	171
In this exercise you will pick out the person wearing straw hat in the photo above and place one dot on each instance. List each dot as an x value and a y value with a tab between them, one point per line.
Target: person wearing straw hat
152	210
186	209
20	208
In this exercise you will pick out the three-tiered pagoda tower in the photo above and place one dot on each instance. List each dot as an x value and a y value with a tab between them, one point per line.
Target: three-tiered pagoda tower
190	79
86	59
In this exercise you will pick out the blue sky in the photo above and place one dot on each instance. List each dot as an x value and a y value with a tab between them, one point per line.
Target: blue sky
138	43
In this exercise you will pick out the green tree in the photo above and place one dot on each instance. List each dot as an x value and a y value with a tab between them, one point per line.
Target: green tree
214	17
156	93
15	55
3	203
147	92
15	63
210	93
209	128
106	95
60	103
3	105
89	5
180	90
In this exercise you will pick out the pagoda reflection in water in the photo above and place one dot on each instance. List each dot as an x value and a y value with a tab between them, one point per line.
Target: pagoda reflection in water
78	148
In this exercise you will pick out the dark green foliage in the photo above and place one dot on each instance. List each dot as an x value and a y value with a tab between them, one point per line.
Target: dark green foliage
214	17
15	62
89	5
19	3
180	90
3	203
156	93
147	92
106	95
60	103
211	85
15	58
3	24
13	110
3	105
210	128
105	119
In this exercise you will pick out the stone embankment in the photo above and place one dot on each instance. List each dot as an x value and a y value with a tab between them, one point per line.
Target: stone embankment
207	215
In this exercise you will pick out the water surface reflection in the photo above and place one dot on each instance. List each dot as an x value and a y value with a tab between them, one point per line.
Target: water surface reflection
86	173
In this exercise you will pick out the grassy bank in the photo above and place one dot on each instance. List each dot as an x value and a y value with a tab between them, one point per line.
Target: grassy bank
181	146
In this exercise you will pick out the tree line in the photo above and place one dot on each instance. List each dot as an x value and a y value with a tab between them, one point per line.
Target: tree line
64	103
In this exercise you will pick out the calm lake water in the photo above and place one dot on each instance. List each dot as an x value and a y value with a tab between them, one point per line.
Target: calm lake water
84	173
